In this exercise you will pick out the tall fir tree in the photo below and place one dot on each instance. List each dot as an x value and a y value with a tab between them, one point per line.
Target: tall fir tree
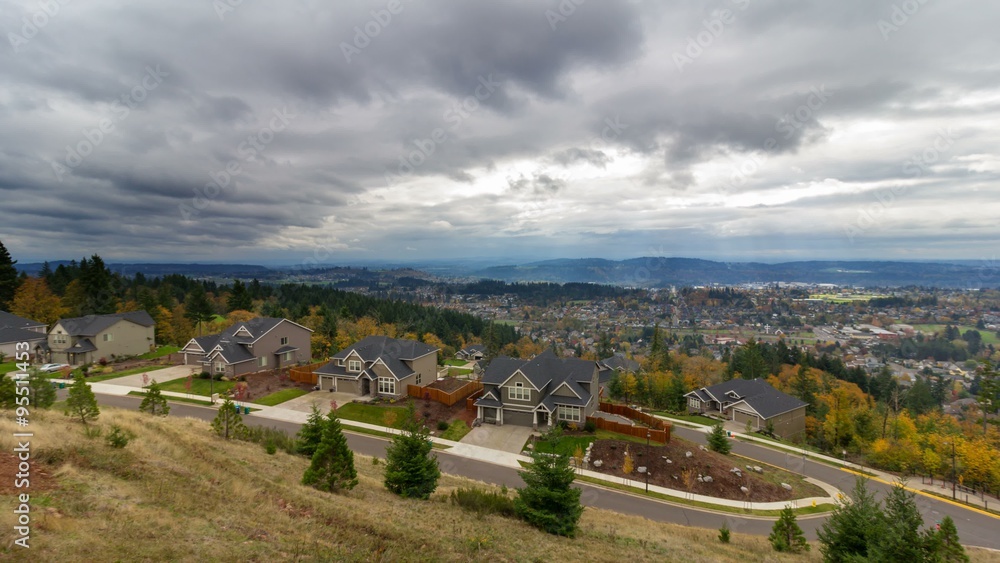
81	402
332	467
198	309
548	500
43	395
805	388
154	402
8	278
945	546
786	535
311	433
852	527
718	441
410	470
239	298
228	423
899	533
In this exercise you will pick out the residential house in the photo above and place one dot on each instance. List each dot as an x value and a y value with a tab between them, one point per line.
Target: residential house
379	366
472	352
15	329
84	340
540	391
753	400
616	364
259	344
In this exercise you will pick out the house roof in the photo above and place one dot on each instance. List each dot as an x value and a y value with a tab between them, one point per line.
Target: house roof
285	349
232	352
92	325
473	348
540	370
489	399
620	362
10	320
11	334
234	349
393	352
81	346
757	393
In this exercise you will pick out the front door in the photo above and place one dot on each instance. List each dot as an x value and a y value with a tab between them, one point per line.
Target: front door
543	418
366	387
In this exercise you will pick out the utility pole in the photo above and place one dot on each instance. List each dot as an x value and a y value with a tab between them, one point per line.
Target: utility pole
954	473
648	461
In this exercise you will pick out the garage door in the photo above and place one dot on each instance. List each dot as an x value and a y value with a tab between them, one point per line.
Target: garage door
518	418
741	418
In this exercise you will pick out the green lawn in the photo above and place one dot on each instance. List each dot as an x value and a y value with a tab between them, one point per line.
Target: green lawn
159	352
453	372
458	363
565	444
114	375
279	397
371	414
456	431
203	387
8	367
989	336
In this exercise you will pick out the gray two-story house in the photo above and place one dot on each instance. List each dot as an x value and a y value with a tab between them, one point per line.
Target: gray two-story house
83	340
379	366
14	330
259	344
754	402
539	392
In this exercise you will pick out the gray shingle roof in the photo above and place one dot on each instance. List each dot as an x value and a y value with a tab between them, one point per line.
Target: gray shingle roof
546	372
620	362
11	334
91	325
9	320
233	352
766	400
81	346
391	351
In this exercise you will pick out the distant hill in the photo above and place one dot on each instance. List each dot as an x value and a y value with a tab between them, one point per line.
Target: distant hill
194	270
661	272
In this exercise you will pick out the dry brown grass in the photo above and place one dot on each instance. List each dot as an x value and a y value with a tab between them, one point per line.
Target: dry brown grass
177	493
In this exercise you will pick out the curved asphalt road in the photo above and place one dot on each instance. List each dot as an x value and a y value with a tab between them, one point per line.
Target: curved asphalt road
974	528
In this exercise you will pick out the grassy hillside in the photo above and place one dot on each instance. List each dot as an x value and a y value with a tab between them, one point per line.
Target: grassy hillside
177	493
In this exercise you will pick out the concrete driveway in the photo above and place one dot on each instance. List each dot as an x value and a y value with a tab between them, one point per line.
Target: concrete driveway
321	399
509	438
160	375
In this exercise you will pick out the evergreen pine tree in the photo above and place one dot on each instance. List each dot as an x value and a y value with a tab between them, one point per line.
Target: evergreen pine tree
332	467
228	423
81	402
717	440
239	298
43	395
944	545
197	307
786	535
548	501
410	470
8	278
8	392
899	537
804	387
154	402
311	433
853	526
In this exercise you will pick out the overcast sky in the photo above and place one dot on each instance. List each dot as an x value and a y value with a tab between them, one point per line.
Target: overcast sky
729	129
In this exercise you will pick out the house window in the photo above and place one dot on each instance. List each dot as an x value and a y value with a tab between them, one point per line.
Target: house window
694	403
288	356
519	392
108	337
571	414
220	367
419	377
59	339
284	340
353	365
386	386
262	361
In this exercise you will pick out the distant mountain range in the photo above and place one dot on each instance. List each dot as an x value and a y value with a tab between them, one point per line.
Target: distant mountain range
660	272
634	272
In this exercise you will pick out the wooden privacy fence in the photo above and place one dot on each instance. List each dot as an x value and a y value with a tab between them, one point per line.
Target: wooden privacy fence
656	424
658	436
470	402
305	374
443	396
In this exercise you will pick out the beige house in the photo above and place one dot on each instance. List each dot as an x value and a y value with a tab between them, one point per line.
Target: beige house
15	330
379	366
259	344
540	391
752	401
83	340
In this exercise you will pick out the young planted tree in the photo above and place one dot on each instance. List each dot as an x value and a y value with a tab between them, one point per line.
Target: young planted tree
43	395
899	536
718	441
154	402
311	433
548	501
944	545
853	526
410	470
81	402
786	535
332	467
228	423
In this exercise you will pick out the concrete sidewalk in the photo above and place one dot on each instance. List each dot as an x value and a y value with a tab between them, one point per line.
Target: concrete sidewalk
915	486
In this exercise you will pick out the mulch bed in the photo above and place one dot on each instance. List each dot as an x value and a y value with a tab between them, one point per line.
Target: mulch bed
264	383
672	475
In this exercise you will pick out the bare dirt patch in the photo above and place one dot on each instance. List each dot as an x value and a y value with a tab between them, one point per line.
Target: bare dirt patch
264	383
449	384
39	478
682	472
432	412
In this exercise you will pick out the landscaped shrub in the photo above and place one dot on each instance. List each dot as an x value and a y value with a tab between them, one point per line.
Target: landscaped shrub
218	377
483	502
204	375
442	425
103	362
590	426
